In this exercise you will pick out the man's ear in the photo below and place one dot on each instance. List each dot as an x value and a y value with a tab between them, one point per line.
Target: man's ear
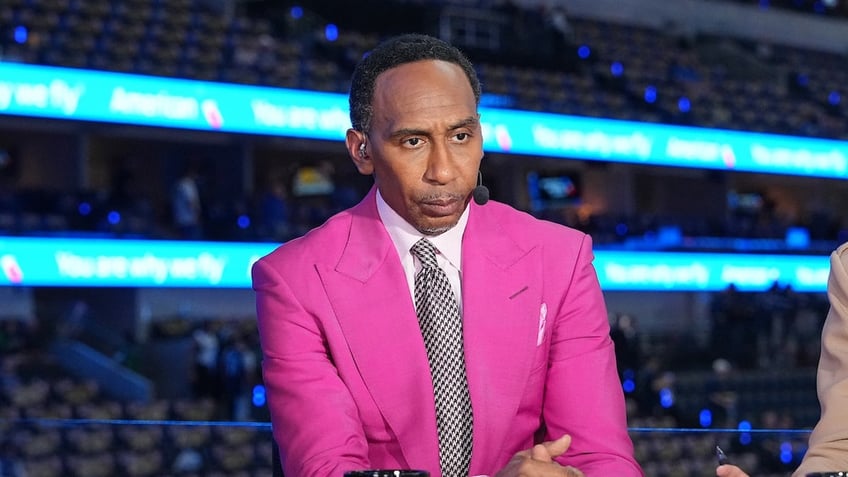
357	147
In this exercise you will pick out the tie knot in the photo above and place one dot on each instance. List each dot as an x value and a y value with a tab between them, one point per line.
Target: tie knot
426	253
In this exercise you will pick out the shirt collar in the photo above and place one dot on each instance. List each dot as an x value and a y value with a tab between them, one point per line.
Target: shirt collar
404	235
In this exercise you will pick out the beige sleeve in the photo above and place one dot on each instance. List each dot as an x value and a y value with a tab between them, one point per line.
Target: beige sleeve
828	449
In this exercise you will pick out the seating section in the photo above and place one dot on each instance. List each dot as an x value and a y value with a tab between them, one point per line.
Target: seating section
626	72
53	424
607	70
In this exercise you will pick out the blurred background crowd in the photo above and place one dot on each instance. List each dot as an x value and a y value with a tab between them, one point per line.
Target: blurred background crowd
731	359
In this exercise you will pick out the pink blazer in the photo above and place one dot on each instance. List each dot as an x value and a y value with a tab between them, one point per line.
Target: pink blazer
346	370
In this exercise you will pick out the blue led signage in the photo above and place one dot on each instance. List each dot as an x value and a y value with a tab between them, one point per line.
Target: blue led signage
63	93
155	263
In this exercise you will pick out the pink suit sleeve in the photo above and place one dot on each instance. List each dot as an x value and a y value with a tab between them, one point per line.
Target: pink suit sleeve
584	397
315	421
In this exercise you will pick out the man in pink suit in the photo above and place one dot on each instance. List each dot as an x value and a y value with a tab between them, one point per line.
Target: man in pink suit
345	365
828	449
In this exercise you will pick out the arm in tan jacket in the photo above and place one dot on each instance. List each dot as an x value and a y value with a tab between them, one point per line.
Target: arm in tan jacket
828	449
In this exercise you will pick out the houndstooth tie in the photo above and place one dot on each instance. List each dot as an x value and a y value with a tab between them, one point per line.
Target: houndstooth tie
441	326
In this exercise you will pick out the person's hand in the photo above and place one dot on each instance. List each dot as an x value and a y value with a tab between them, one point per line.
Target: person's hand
539	461
728	470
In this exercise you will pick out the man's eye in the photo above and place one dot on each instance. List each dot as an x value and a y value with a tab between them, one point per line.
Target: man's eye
413	141
462	136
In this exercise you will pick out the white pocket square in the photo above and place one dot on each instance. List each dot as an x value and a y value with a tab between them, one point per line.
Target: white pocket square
543	318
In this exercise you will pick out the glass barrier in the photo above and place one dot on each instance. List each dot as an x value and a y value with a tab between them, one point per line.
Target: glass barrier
47	447
673	452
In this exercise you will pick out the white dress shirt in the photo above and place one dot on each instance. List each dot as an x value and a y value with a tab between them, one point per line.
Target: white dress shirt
448	244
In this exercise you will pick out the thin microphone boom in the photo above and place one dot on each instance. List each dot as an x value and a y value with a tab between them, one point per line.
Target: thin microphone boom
481	192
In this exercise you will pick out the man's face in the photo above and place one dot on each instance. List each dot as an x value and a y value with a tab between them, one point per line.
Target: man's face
425	144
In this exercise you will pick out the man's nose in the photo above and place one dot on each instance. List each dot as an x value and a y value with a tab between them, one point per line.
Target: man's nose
440	165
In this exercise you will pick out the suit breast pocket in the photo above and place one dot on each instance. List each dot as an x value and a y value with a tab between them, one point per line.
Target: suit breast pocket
541	340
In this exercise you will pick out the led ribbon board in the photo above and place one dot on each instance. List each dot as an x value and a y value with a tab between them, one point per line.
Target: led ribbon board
161	263
63	93
683	271
130	263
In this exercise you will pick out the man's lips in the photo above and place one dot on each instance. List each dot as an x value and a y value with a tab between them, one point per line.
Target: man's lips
441	207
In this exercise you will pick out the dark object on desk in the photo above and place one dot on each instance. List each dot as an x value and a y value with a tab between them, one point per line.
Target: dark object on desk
721	456
387	473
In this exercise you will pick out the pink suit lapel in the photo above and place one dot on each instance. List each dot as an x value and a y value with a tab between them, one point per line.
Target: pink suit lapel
501	289
368	291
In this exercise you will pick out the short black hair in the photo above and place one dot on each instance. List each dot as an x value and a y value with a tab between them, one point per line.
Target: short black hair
394	52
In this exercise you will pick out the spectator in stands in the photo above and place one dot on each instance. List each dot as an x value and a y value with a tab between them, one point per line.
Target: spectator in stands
186	205
655	392
235	377
722	397
625	335
205	341
732	332
562	56
346	365
776	311
828	449
559	20
275	212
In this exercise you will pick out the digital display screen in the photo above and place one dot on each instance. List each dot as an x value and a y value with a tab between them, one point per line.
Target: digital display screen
552	190
73	94
161	263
